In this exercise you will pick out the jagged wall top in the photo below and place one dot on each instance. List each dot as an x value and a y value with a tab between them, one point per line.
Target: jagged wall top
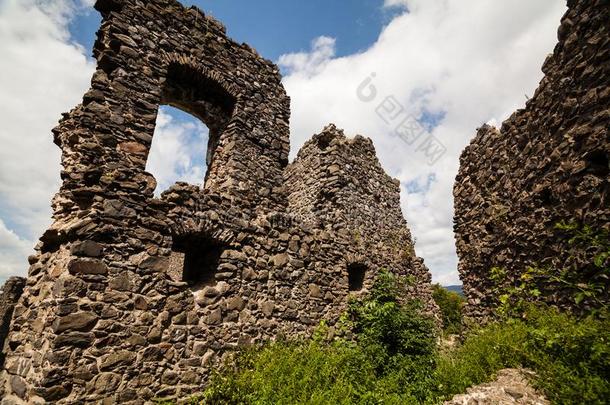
548	163
158	52
132	297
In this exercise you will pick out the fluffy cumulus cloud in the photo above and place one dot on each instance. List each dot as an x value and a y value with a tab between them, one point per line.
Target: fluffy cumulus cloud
42	74
438	71
178	150
13	251
308	64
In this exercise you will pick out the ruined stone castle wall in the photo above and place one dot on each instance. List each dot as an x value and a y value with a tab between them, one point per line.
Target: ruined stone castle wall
10	293
132	297
338	186
547	163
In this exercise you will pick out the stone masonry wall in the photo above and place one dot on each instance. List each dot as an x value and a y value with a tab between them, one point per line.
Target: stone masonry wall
132	297
337	186
10	293
547	163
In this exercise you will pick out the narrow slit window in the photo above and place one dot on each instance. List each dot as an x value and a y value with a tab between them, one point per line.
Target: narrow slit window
355	276
598	163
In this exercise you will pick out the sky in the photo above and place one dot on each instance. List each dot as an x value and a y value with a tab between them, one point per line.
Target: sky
416	76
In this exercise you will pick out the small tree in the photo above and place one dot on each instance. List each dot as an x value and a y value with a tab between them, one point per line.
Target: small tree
450	304
391	332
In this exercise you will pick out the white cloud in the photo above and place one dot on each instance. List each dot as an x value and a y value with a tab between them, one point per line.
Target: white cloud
178	151
307	64
42	74
394	3
472	61
468	62
13	253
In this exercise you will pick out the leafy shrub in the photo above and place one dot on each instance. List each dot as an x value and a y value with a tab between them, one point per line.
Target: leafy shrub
570	355
482	354
387	329
588	284
287	373
397	339
450	304
393	359
584	285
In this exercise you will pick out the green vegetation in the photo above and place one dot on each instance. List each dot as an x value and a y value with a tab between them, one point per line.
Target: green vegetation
450	304
393	359
586	285
570	355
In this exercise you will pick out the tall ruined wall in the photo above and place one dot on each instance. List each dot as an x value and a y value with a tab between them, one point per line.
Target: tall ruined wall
10	293
102	315
547	163
337	186
132	297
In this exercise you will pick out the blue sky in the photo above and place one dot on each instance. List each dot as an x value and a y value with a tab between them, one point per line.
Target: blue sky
451	64
355	24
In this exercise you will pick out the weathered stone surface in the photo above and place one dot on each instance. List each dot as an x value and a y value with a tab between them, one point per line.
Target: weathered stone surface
87	266
18	386
267	308
87	248
80	321
104	383
548	163
11	291
235	303
280	259
122	282
132	297
117	359
511	386
77	339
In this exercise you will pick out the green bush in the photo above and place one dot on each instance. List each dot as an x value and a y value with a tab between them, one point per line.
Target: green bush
393	359
397	339
288	373
450	304
583	282
389	330
570	355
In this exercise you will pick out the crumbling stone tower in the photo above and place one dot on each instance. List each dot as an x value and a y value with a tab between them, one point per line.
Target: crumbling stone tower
338	186
131	297
548	163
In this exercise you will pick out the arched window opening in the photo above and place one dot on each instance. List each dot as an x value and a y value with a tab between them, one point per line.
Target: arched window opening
195	260
196	110
355	276
178	149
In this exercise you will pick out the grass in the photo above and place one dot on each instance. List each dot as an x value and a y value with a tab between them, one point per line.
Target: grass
394	360
570	355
